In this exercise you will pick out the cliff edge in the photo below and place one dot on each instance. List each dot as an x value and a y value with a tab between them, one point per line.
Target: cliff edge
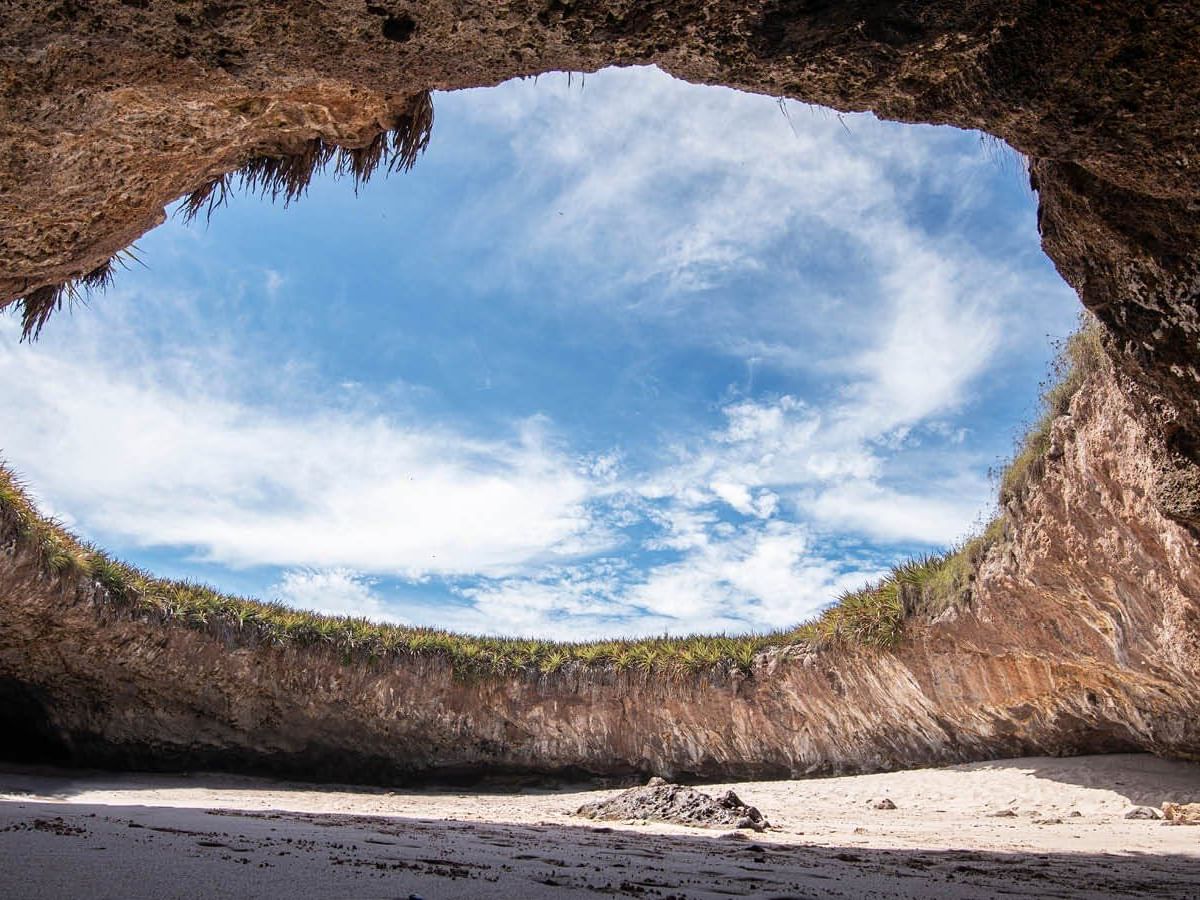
1080	633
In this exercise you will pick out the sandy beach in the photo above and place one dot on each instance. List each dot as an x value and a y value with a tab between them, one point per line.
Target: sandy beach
1025	827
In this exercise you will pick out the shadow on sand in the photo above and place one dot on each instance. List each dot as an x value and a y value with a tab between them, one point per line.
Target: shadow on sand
58	850
1142	779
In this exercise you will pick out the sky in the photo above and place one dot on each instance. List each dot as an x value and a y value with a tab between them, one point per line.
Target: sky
620	356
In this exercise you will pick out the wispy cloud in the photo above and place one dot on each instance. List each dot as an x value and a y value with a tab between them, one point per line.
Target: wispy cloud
156	453
334	592
794	241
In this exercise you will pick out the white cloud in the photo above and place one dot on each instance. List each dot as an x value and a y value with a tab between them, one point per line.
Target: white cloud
765	445
273	282
935	517
760	576
682	189
334	592
159	453
942	330
757	577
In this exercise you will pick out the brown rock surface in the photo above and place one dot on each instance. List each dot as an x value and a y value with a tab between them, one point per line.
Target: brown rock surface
1083	630
1182	813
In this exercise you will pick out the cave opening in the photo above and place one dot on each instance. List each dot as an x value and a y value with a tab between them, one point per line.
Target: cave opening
621	356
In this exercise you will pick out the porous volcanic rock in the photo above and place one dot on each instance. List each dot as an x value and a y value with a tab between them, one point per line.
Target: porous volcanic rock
1143	812
1181	813
660	801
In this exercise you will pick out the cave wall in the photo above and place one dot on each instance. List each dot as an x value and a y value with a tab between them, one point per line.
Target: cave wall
1082	636
1083	632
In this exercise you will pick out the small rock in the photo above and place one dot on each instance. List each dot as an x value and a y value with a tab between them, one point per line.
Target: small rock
1075	814
881	803
1182	813
1143	812
1003	814
1047	821
661	801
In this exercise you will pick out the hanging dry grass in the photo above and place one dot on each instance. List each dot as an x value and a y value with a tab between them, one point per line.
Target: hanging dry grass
287	176
39	305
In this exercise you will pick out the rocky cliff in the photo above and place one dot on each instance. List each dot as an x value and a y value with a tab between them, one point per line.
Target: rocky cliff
1082	635
1082	629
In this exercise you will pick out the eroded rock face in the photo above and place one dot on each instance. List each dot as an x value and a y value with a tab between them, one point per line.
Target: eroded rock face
1082	636
1083	631
110	110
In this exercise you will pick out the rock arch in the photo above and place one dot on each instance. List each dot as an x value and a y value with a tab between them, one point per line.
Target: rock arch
110	110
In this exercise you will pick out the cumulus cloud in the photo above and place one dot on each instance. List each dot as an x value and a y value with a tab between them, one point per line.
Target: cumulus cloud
334	592
734	579
156	453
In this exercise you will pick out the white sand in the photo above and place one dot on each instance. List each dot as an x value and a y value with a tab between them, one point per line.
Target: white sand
216	835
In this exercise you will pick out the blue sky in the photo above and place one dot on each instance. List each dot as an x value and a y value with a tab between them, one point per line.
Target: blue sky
623	356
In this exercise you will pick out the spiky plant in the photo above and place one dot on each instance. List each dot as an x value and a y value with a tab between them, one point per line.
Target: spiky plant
37	306
875	616
1079	356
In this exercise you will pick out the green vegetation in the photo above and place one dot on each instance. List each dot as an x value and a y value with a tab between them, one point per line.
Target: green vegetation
1079	356
872	617
875	616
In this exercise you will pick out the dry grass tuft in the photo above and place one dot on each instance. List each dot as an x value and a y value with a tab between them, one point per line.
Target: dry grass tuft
39	305
875	617
208	197
289	175
255	623
1080	355
286	176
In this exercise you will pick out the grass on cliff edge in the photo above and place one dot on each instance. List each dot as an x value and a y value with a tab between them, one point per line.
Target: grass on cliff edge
874	616
1079	356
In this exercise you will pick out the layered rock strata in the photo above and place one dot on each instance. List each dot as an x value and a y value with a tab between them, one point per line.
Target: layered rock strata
1082	635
